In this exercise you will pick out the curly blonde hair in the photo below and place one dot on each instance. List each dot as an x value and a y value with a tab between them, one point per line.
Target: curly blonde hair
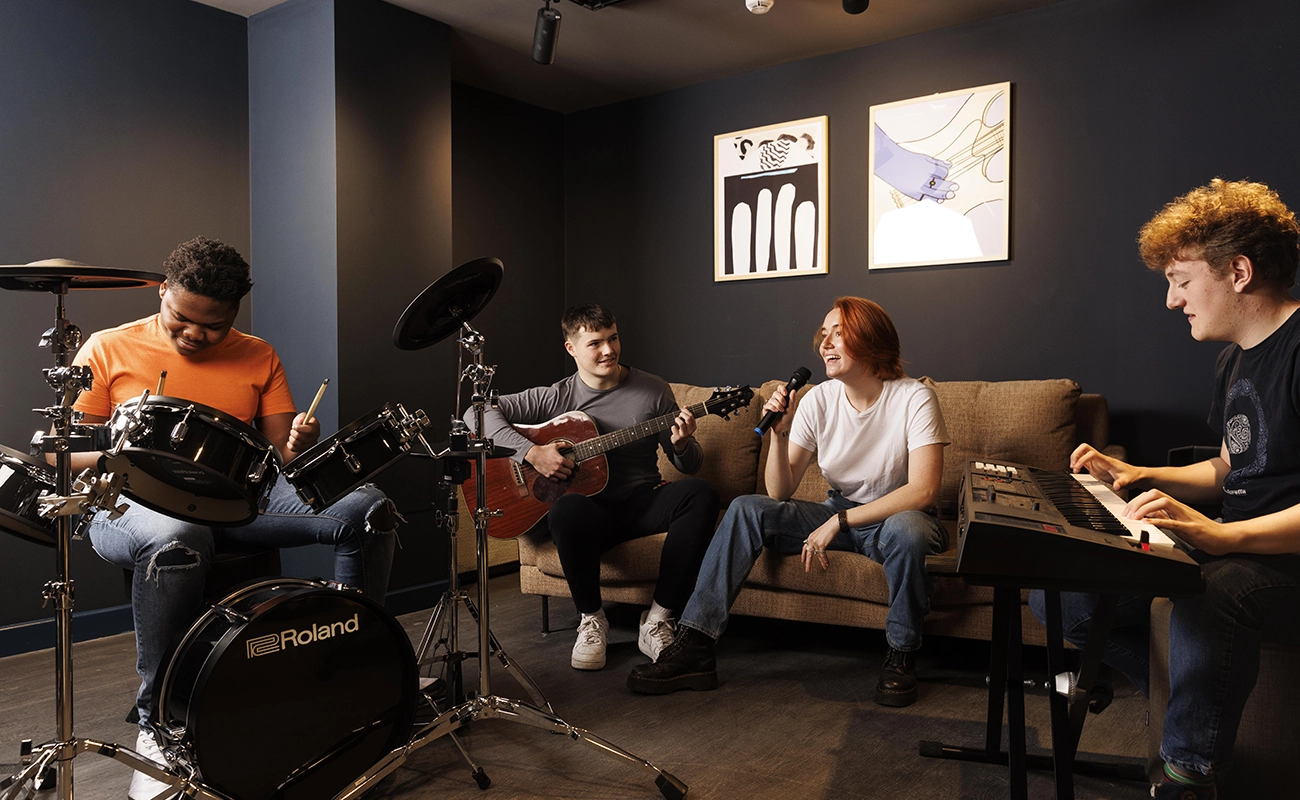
1218	222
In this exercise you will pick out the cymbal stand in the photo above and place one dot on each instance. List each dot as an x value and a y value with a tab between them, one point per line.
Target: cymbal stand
91	493
484	704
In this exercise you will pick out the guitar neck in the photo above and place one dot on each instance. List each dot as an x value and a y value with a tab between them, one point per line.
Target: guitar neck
601	444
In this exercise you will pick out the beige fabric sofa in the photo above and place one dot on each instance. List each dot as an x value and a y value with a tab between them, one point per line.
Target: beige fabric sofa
1031	422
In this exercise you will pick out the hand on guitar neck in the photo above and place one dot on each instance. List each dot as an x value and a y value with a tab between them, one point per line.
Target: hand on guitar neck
683	429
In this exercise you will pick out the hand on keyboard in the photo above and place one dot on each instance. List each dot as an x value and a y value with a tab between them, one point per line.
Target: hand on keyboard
1183	522
1104	468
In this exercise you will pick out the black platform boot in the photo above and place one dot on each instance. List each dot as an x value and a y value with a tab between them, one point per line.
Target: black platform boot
897	686
687	663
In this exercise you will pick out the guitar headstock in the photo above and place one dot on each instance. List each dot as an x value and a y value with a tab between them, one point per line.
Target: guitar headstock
726	399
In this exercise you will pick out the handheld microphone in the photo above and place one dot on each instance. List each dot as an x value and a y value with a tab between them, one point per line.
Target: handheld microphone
796	383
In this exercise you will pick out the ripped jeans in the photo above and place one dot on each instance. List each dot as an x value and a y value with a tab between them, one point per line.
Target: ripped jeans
170	558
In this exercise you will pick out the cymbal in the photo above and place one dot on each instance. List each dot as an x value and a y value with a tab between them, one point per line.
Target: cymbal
60	274
452	299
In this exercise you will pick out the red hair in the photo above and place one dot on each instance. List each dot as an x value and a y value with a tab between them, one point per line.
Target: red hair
869	336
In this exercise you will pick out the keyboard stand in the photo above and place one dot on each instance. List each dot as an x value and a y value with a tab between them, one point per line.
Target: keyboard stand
1006	683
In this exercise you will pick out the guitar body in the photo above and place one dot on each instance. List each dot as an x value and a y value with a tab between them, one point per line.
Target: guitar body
522	492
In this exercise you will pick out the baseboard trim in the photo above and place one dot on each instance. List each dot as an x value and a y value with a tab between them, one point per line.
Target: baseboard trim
25	637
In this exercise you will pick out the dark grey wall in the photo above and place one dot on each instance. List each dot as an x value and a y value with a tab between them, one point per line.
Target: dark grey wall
508	171
1118	106
123	131
393	106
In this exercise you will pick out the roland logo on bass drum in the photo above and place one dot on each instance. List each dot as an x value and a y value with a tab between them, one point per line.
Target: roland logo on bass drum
277	642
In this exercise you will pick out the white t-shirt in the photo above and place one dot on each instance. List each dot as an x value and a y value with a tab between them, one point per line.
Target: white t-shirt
863	454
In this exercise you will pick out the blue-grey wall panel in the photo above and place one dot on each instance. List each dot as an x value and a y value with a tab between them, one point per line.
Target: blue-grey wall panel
294	202
123	131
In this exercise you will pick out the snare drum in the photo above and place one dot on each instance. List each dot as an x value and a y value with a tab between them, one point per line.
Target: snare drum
193	462
289	689
22	482
354	455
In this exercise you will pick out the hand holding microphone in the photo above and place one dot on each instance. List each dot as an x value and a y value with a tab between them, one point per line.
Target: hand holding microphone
795	383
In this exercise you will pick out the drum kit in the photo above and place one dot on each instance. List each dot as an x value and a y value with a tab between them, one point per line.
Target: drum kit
315	652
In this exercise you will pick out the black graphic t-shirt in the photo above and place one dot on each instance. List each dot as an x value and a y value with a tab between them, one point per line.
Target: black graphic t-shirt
1257	412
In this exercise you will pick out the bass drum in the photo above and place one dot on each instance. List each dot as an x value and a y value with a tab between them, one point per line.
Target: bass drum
22	482
289	689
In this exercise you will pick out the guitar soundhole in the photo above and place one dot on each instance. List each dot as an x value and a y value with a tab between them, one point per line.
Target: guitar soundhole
548	490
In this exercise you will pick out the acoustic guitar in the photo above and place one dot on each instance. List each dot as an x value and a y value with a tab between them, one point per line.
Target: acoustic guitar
525	495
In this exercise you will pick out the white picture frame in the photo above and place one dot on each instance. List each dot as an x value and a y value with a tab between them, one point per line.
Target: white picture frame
770	201
940	188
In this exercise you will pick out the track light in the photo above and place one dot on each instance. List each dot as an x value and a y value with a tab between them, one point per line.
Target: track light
546	34
856	6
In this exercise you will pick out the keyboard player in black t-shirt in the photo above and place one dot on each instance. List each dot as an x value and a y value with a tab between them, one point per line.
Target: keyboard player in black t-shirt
1229	251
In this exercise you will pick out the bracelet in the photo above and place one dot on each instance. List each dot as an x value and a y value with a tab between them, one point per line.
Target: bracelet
844	521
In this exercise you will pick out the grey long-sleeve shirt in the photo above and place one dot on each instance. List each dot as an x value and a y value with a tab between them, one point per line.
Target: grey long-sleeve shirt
640	397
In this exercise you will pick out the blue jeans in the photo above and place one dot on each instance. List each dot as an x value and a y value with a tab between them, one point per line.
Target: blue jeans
1214	646
1128	648
900	544
170	559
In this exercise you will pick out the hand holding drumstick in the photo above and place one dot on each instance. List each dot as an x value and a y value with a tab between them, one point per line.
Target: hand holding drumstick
306	428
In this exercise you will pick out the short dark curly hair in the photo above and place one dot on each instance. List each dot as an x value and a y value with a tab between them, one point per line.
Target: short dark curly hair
1221	221
210	268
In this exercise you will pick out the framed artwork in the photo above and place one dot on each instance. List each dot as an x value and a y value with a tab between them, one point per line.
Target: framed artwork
769	201
939	191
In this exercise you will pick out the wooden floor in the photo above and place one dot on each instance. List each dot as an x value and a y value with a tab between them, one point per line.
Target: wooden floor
793	718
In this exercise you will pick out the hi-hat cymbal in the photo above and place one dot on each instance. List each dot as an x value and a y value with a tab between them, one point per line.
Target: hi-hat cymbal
60	274
452	299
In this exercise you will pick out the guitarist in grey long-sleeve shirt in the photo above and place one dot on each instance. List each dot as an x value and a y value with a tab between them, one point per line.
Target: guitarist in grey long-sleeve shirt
635	501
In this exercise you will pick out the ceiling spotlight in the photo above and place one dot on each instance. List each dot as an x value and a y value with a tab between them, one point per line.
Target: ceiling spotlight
856	6
759	6
546	33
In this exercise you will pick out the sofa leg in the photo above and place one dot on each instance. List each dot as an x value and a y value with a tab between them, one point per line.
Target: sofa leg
546	615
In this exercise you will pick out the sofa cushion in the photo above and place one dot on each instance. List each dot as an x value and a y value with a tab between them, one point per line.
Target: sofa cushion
730	445
1027	422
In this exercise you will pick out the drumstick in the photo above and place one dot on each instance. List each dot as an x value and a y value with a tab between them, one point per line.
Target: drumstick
316	402
162	381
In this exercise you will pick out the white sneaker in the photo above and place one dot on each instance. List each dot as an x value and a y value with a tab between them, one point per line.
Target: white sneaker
655	635
144	787
589	650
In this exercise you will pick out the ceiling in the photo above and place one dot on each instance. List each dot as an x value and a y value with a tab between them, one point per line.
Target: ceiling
640	47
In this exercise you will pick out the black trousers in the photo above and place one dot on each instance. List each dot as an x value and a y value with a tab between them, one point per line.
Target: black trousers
585	527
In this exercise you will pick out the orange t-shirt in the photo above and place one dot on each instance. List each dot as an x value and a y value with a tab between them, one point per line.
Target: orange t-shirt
242	376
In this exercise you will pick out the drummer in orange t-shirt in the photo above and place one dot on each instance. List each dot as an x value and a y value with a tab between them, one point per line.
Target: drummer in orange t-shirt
210	363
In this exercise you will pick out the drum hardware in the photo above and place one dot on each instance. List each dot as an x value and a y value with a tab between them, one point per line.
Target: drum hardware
126	422
91	492
443	308
49	765
183	427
